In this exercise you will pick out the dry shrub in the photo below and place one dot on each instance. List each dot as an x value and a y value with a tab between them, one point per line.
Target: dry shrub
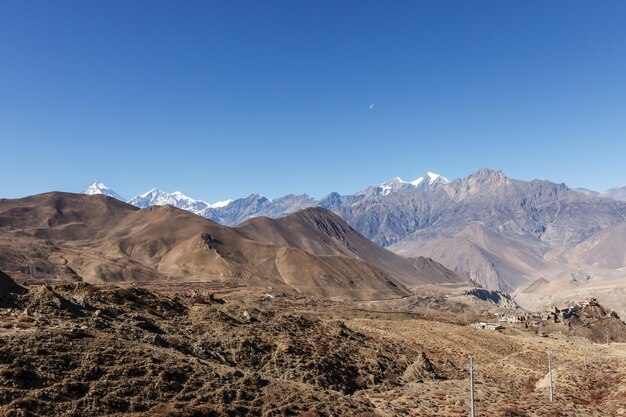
513	410
530	384
174	342
308	414
198	299
555	413
597	396
581	401
439	395
600	392
23	318
90	290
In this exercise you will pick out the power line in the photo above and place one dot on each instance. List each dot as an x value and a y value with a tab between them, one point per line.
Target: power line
550	372
471	370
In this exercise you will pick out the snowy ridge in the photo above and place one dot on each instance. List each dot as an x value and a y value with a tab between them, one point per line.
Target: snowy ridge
428	181
156	197
220	204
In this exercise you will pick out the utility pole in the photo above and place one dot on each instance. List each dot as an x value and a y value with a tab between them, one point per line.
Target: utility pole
607	336
550	372
585	353
471	370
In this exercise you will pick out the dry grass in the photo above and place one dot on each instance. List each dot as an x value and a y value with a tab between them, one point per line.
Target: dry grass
510	377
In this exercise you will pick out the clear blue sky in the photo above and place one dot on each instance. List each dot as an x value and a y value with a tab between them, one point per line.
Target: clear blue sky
221	99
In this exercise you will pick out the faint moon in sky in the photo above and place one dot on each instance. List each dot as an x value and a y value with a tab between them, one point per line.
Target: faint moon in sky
372	106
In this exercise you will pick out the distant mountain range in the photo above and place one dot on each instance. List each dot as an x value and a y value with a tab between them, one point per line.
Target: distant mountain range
501	232
258	205
233	212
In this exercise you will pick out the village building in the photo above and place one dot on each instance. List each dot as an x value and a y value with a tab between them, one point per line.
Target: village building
513	318
487	326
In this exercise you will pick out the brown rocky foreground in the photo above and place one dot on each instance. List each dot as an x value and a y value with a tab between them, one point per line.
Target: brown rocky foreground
75	349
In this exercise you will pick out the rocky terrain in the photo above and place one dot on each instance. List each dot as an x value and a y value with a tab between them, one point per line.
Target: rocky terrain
75	349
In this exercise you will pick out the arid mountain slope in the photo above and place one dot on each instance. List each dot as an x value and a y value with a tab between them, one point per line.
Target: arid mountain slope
505	233
495	261
321	232
605	249
99	239
64	216
596	267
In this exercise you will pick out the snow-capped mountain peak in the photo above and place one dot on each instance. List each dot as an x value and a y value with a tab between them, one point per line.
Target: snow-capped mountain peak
178	194
428	181
436	177
220	204
430	178
99	187
149	193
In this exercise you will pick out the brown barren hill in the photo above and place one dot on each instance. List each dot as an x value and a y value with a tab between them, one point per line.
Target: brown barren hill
321	232
98	239
63	216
